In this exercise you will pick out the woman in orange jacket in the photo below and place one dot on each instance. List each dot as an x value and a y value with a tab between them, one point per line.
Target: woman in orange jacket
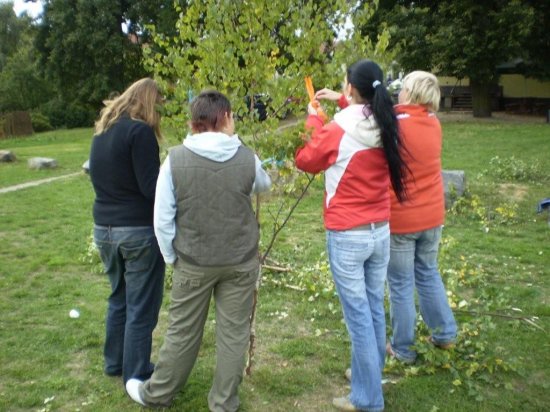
416	224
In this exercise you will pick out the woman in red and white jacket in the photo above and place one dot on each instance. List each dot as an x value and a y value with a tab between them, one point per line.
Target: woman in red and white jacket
359	153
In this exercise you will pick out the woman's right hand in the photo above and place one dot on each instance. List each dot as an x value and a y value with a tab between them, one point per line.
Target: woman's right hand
312	108
327	94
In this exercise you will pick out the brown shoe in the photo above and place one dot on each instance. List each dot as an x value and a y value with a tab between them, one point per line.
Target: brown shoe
444	346
343	404
389	350
393	355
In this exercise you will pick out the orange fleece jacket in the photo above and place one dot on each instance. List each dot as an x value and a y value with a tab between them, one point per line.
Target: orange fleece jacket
422	137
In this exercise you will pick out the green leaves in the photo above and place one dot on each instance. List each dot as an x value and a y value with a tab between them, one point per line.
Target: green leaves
259	48
260	51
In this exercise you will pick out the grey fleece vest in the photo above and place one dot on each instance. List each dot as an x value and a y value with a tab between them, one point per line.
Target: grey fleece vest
215	222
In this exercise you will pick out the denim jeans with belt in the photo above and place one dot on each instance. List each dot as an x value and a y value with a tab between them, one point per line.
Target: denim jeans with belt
135	266
413	262
358	261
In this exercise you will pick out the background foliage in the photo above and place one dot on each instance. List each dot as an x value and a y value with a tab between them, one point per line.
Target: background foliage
79	51
468	39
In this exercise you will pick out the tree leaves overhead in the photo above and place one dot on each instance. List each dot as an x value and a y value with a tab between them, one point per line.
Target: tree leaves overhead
256	48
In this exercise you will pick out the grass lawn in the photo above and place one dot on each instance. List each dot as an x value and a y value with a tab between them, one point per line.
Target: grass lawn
495	258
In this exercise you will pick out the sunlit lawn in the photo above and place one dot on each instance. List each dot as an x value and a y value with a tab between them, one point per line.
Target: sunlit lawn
302	345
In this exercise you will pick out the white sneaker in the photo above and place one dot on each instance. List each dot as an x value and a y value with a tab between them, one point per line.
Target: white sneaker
132	388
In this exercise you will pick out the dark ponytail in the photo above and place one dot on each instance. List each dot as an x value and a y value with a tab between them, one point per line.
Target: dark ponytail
368	79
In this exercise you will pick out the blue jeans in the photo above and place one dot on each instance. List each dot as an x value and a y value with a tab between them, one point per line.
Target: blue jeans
358	261
413	262
135	266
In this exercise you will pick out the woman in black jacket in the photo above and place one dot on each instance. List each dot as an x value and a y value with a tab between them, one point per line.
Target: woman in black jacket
124	166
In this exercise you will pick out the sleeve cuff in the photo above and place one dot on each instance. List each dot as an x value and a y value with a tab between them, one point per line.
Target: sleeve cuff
343	101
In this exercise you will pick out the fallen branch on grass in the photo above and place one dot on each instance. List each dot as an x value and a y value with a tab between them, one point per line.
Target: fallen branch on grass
530	320
276	268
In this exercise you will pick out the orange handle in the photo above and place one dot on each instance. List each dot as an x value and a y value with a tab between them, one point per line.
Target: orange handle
309	88
311	93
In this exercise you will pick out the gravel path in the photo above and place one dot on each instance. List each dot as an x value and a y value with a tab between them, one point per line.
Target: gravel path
36	183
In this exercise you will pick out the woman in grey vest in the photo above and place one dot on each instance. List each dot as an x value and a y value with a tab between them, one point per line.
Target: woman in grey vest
206	228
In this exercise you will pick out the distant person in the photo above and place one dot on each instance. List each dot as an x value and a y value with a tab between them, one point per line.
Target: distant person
207	229
416	224
124	167
359	152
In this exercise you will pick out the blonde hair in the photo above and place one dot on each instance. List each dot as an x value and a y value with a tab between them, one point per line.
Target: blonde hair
422	88
138	101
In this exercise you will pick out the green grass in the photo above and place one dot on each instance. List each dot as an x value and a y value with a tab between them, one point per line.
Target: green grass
69	147
302	345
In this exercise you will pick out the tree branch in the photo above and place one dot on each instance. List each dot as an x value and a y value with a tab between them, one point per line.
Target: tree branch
278	228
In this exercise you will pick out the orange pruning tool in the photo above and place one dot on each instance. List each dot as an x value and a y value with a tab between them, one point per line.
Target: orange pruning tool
311	93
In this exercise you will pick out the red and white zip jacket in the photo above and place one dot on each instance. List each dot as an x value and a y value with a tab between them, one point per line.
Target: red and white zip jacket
357	179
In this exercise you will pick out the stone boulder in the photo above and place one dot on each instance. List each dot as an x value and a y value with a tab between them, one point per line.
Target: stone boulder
42	163
454	183
7	156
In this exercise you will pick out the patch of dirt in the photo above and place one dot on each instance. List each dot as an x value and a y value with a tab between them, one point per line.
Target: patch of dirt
77	364
513	191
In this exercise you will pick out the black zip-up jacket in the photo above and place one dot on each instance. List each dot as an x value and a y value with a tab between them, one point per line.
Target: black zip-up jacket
124	167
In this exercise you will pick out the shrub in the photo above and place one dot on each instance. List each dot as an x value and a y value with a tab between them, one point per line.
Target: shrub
69	115
512	169
40	123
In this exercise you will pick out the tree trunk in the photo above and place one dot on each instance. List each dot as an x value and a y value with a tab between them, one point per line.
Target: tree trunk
481	98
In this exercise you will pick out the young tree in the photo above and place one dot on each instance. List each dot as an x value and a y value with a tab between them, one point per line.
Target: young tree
261	50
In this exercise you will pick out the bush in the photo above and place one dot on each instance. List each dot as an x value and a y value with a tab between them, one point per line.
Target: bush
69	115
512	169
40	123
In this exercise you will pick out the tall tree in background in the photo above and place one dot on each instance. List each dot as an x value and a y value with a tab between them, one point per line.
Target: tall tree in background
466	38
11	31
21	86
536	49
91	48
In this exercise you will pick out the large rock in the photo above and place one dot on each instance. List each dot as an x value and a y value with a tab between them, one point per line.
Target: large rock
454	183
7	156
42	163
